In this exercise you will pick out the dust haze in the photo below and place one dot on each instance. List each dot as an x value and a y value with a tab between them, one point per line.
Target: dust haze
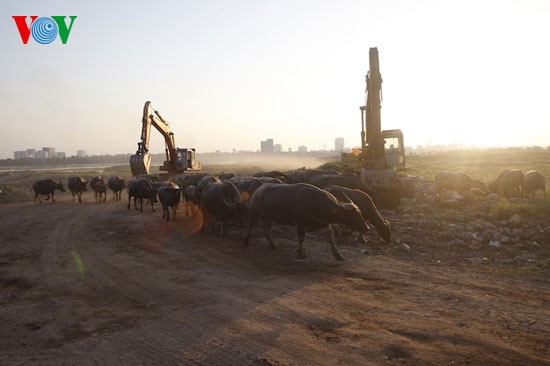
263	162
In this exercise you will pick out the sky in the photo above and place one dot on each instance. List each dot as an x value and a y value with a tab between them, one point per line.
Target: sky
228	74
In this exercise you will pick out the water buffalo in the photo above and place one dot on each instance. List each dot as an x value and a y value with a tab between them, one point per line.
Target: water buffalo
272	174
99	187
533	180
367	207
169	196
46	187
185	180
100	191
226	176
248	186
350	181
270	180
116	184
222	201
206	180
191	198
141	189
94	180
509	183
77	185
459	182
305	206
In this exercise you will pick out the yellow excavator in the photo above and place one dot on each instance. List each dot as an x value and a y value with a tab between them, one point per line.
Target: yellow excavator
178	160
382	152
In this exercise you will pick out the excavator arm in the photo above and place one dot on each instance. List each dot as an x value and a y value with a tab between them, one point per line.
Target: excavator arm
177	160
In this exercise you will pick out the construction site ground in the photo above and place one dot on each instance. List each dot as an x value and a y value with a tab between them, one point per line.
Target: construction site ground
96	284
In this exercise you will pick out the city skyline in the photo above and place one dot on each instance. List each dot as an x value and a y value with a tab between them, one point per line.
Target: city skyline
227	73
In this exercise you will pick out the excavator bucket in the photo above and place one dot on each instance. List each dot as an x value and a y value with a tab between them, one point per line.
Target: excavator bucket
140	163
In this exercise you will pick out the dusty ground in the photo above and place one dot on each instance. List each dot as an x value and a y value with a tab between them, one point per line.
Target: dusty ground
95	284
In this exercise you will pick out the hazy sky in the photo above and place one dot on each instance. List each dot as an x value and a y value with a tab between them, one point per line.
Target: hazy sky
228	74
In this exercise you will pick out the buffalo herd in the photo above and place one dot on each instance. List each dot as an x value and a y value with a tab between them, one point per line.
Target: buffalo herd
308	200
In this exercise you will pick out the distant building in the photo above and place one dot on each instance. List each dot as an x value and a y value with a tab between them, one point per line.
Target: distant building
20	155
339	144
40	154
302	149
31	153
49	152
81	153
266	146
277	148
60	155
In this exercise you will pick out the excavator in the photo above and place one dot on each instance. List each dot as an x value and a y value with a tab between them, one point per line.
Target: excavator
178	160
382	152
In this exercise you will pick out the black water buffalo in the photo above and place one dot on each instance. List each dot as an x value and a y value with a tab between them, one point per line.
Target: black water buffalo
99	187
270	180
191	198
94	180
169	196
248	186
206	180
272	174
351	181
116	184
222	201
457	181
185	180
367	207
305	206
141	189
77	185
46	187
226	176
100	191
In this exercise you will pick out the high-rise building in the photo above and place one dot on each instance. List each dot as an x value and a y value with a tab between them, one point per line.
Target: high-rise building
277	148
266	146
81	153
49	152
60	155
269	146
31	153
339	144
302	149
19	155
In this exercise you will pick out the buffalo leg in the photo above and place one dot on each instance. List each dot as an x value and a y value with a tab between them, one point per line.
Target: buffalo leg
332	242
223	229
250	227
301	237
37	196
174	209
267	232
129	199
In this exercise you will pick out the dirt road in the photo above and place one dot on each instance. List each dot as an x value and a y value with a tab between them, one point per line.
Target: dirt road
95	284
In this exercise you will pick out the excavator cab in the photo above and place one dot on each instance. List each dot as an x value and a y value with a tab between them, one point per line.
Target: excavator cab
394	148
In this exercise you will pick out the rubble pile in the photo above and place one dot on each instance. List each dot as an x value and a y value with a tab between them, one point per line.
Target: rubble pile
467	221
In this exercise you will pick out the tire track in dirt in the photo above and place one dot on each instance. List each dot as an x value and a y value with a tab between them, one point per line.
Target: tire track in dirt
156	341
